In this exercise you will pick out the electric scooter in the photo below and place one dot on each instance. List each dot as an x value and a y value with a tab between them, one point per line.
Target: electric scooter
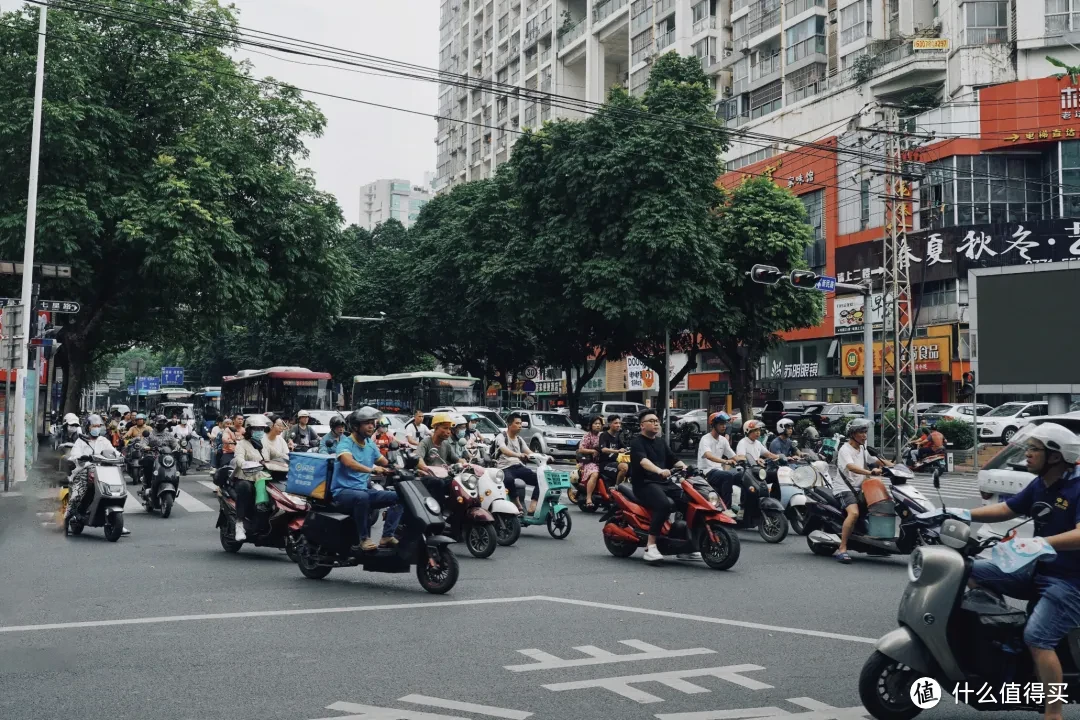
552	484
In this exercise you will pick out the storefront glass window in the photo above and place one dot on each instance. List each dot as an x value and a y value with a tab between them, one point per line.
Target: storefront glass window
978	189
815	215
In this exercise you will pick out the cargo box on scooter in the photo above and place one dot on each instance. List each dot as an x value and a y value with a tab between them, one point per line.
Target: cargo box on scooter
334	531
880	510
310	474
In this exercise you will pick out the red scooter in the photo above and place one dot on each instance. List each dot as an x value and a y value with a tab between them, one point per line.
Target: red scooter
277	525
466	520
699	524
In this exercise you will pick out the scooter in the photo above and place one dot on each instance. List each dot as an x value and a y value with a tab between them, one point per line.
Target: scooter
133	459
183	458
927	463
276	526
698	524
609	475
103	501
466	520
327	538
961	637
552	484
494	499
791	496
164	484
757	510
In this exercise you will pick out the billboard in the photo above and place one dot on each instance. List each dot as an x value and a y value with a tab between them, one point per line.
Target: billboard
931	355
1024	336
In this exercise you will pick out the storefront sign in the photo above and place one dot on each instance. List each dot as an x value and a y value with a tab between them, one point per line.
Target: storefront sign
1042	110
930	355
639	376
930	44
800	179
849	313
550	387
801	370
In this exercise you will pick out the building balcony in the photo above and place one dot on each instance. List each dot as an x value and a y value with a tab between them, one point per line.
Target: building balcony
570	33
530	63
706	23
545	55
666	39
664	8
984	36
641	21
1058	24
607	8
793	8
807	49
766	70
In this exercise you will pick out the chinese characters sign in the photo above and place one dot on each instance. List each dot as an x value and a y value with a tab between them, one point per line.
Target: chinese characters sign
807	177
849	313
930	355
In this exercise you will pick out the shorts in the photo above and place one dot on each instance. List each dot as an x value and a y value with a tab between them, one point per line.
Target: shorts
1057	611
846	498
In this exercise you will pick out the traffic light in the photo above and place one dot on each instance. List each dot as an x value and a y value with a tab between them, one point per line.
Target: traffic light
969	384
804	279
765	274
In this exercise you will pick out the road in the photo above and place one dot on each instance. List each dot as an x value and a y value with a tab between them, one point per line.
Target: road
164	624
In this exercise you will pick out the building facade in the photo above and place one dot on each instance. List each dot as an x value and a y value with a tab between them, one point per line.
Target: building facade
394	198
573	49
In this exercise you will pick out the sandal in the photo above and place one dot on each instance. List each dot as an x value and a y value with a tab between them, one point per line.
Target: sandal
590	506
842	558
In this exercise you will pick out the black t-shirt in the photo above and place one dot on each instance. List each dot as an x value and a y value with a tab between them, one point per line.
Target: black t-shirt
658	453
607	440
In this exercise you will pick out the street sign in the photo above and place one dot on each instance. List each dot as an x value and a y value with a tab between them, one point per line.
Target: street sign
10	302
43	342
60	306
172	376
117	373
131	389
146	384
719	388
826	283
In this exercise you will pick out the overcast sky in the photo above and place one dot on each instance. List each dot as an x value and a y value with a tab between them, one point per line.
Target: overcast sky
361	143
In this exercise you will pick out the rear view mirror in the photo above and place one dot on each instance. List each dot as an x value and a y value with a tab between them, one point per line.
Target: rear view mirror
524	424
872	451
937	479
1041	510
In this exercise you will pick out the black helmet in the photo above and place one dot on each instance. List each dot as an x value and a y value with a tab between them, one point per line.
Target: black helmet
161	422
357	418
337	421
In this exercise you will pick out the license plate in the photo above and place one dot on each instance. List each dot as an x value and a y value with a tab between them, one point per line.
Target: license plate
572	443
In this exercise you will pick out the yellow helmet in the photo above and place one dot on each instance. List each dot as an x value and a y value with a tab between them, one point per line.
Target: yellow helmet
441	418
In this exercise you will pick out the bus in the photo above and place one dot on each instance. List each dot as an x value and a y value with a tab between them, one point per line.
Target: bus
208	406
169	401
408	392
283	391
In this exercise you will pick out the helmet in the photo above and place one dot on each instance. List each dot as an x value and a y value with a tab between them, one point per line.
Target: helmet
459	419
382	422
783	424
719	417
94	420
810	433
857	425
441	418
140	416
71	419
302	413
257	421
1057	438
357	418
752	425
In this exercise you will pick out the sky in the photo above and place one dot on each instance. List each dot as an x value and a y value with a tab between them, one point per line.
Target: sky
360	143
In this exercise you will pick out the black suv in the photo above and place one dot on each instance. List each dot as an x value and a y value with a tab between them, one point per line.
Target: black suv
777	410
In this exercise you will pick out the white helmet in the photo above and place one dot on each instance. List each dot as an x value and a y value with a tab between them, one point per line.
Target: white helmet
1057	438
257	421
752	425
94	420
71	419
458	419
785	423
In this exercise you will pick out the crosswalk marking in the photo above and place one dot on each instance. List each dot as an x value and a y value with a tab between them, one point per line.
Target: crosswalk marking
674	679
189	503
597	656
817	711
207	483
466	707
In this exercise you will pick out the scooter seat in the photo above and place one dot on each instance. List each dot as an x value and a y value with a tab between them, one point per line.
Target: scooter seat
828	495
628	492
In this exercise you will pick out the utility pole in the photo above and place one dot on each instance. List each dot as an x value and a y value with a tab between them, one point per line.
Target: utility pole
897	379
28	249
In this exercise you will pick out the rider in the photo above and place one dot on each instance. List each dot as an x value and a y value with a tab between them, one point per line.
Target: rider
249	448
715	456
751	446
337	431
783	445
96	444
72	428
459	435
854	465
162	439
438	448
416	430
358	459
611	448
511	450
135	431
1052	454
651	462
302	437
929	442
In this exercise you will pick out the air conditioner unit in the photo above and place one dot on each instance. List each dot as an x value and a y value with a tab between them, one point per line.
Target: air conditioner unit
729	46
726	92
832	17
727	53
744	47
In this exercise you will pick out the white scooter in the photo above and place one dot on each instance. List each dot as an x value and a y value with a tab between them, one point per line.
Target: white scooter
494	497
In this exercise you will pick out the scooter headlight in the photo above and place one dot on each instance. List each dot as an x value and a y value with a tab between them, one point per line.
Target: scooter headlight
167	461
713	499
500	475
432	505
915	565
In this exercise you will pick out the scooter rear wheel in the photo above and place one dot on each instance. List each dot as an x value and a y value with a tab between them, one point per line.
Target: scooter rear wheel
166	505
228	537
618	548
438	580
885	688
305	560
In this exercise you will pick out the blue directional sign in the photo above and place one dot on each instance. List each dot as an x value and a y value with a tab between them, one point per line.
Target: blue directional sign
131	389
146	384
826	283
172	376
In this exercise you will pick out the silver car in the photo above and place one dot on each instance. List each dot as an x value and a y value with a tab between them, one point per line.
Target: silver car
551	433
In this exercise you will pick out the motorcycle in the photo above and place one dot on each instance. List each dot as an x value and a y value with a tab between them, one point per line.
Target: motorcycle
103	502
327	538
927	463
757	509
549	511
698	524
609	474
184	457
135	452
685	438
494	498
160	492
277	525
467	521
892	523
958	636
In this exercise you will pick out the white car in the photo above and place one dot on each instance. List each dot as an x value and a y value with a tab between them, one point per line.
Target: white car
1006	474
1001	423
491	415
320	420
948	411
699	417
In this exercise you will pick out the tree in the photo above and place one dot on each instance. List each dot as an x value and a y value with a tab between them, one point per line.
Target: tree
168	182
760	223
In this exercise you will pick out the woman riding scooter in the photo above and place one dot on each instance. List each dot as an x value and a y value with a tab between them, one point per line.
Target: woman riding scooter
248	449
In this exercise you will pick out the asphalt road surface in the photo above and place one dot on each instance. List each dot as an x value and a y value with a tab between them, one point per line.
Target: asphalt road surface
163	624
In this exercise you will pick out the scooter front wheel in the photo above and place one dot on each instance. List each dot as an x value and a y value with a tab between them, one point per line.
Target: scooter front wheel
885	688
440	579
507	529
722	552
797	516
481	540
558	524
773	526
228	537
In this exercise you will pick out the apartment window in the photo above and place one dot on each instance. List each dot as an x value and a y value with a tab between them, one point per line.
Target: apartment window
806	81
399	187
767	99
749	159
1070	177
864	204
738	29
985	22
395	202
639	81
806	38
641	46
815	212
1062	16
853	23
979	189
741	76
795	7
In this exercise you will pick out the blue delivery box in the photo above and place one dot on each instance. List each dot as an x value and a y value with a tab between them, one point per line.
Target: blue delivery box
310	474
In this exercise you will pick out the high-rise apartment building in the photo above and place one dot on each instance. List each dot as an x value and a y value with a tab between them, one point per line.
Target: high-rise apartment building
395	198
571	48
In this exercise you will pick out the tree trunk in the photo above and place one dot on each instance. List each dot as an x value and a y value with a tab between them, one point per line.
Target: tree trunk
583	378
77	360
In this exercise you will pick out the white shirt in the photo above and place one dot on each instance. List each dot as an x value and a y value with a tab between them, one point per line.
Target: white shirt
91	446
750	449
718	447
276	451
417	432
848	455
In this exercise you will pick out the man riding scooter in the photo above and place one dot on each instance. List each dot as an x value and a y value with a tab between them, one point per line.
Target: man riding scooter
783	444
358	458
716	458
854	464
929	442
1052	454
96	444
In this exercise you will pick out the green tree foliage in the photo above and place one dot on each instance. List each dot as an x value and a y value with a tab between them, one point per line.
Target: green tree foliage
168	181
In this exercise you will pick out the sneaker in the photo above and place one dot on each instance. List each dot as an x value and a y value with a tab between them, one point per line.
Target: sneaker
125	531
388	542
652	554
730	513
689	556
240	535
368	546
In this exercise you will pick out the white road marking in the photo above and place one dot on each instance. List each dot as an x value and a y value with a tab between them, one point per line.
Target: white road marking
189	503
674	679
371	712
134	499
546	661
437	603
10	494
207	483
817	711
466	707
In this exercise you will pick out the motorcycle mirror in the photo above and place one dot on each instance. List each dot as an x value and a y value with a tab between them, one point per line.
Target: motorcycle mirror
1041	510
937	479
872	451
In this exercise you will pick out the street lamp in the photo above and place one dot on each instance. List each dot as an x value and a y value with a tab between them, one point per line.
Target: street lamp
381	318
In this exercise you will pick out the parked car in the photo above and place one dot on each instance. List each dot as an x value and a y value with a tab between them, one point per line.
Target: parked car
777	410
1006	474
496	419
949	411
551	433
699	417
1001	423
628	411
823	416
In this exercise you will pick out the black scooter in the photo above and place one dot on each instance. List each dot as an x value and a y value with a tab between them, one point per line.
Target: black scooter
164	482
328	536
758	510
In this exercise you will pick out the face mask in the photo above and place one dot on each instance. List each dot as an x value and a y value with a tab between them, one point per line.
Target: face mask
96	431
258	434
460	434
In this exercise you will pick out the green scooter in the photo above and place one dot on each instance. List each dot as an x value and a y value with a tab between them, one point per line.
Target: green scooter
552	484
